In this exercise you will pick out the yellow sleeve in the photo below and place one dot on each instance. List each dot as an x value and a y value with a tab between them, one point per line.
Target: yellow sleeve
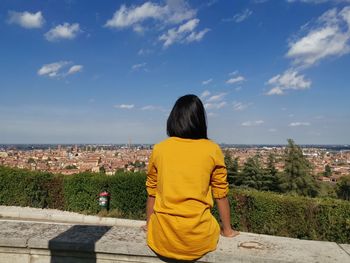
218	180
151	182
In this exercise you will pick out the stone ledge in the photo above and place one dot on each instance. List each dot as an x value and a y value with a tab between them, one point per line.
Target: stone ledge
29	213
43	242
346	248
112	244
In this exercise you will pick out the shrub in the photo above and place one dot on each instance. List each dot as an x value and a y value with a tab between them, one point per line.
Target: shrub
81	192
55	192
23	187
128	194
292	216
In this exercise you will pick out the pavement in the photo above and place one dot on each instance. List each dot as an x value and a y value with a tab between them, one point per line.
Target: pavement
63	233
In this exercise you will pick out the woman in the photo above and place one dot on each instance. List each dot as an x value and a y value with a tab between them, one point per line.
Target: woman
185	172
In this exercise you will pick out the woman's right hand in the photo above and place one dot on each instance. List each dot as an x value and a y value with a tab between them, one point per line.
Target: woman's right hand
229	232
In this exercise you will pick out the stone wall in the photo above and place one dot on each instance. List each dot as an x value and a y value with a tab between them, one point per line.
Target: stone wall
49	242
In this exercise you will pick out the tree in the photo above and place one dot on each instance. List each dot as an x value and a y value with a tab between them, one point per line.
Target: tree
235	170
327	171
271	177
252	174
297	172
295	164
232	168
343	188
271	165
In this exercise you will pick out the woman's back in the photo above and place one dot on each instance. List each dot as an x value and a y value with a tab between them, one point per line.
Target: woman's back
182	175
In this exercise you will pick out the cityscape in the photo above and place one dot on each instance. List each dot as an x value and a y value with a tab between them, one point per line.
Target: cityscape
109	159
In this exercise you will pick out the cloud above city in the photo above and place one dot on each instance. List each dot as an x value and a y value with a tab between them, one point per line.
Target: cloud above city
176	18
328	37
26	19
240	17
289	80
172	12
252	123
125	106
63	31
59	69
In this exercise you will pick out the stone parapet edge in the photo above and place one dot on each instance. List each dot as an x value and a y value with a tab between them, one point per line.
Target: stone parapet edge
65	217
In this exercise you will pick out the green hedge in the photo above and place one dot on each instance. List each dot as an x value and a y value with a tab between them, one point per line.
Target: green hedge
128	193
77	193
23	188
291	216
251	210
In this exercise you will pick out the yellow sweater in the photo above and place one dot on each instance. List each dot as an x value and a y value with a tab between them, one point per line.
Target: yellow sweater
183	175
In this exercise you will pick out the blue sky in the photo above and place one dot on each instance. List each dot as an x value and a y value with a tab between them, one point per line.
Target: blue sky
109	71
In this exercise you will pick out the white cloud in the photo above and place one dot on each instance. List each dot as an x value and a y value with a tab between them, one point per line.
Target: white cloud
240	17
173	12
297	124
206	82
240	106
329	37
149	107
183	34
26	19
124	106
196	36
139	29
217	105
290	79
205	94
57	69
139	66
252	123
75	69
234	80
152	108
52	69
233	73
216	98
125	17
64	31
216	101
275	91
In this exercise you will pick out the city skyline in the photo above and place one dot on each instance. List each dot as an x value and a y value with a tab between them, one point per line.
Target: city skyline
77	72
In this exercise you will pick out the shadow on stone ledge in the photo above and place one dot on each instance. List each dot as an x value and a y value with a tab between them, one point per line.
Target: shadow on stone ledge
77	244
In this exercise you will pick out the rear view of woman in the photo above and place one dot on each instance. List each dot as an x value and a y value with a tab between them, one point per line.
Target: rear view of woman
186	171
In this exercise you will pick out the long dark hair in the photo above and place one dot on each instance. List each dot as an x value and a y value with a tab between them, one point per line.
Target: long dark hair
187	119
